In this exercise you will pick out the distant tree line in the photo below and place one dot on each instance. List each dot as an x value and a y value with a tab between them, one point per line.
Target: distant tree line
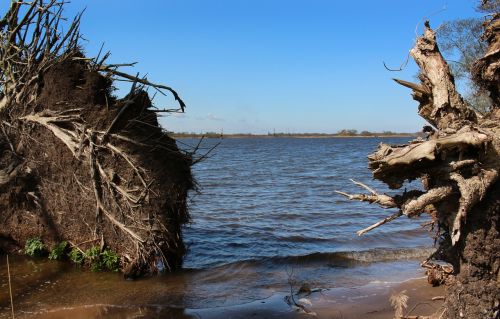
352	132
343	132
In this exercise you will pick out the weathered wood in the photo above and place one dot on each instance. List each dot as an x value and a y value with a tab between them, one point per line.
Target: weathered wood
459	166
380	223
472	191
416	206
445	107
461	143
394	165
486	71
381	199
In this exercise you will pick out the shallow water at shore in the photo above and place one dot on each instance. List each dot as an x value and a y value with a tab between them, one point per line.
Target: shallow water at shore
48	289
267	215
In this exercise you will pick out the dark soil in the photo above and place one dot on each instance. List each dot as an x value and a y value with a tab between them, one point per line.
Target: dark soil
475	292
52	195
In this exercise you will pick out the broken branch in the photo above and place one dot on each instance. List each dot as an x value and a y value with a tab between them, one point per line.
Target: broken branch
380	223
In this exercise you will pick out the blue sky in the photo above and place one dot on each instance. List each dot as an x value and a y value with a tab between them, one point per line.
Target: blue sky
263	65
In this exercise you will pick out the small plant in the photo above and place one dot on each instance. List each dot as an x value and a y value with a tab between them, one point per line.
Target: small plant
76	256
58	252
111	260
34	247
399	302
93	255
96	259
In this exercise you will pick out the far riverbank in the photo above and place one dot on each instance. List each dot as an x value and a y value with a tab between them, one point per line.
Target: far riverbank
300	135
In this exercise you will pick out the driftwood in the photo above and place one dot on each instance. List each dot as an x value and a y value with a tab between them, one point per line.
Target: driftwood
458	165
438	274
127	175
460	158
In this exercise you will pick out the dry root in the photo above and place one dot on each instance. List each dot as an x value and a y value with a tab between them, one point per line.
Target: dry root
438	274
411	203
472	191
458	160
458	164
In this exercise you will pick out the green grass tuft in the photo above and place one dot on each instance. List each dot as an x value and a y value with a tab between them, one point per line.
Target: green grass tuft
93	255
76	256
34	247
111	260
59	250
102	260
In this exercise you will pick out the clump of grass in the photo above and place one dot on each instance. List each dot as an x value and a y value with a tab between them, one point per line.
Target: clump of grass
111	260
399	302
102	260
76	256
59	251
93	255
34	247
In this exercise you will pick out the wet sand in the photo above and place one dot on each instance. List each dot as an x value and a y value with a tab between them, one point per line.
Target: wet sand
370	301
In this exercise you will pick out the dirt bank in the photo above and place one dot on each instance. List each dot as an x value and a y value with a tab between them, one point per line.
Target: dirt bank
78	164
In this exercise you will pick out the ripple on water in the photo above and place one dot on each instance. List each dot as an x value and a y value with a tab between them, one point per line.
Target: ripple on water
267	211
279	192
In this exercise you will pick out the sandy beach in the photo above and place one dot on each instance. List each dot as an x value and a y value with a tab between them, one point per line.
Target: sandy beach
370	301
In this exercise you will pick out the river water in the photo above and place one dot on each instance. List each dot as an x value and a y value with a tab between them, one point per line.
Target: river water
266	215
266	199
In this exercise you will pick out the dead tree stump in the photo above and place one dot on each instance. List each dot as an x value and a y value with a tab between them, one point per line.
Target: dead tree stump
458	165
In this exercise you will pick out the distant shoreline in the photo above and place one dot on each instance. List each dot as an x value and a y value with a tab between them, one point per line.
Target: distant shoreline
182	135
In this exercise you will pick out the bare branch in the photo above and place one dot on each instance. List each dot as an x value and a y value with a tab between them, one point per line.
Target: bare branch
364	186
383	200
159	87
380	223
401	67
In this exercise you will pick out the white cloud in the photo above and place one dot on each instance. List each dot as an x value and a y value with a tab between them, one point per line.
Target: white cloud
213	117
179	115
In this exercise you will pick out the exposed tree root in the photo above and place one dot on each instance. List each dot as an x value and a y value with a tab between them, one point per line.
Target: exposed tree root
381	199
460	148
433	196
125	178
472	191
411	203
458	165
438	274
380	223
